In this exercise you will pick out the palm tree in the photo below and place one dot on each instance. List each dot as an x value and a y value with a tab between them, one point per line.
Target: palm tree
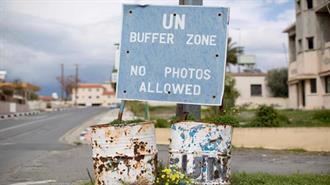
233	51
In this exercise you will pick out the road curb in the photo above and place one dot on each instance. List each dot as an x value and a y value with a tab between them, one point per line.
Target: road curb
72	136
18	114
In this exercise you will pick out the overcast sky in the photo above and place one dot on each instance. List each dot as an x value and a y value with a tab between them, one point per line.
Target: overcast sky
36	36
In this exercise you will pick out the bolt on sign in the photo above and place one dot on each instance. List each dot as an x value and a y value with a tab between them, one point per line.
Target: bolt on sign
173	54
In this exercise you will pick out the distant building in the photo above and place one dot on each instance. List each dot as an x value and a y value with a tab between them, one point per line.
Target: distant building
3	75
94	95
254	91
309	55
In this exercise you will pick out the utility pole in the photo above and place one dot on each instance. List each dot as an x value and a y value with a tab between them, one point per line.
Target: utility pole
183	110
62	81
76	84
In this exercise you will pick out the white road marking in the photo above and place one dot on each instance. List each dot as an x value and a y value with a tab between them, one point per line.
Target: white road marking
6	144
30	123
34	182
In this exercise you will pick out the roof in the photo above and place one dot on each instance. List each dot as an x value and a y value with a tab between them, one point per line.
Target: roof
90	85
108	93
45	98
23	85
290	28
248	74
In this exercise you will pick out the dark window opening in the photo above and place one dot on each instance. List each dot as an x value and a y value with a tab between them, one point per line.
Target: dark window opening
310	42
256	90
309	4
313	85
327	84
300	45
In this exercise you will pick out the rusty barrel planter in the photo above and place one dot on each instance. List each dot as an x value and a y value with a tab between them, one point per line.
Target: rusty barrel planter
124	154
202	151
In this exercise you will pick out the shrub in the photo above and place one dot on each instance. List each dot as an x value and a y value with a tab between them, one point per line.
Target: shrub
116	122
322	115
266	116
162	123
277	82
225	119
136	107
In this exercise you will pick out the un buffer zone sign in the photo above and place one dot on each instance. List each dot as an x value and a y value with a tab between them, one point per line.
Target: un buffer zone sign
173	54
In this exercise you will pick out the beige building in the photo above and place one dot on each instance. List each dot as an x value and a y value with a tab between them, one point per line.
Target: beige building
309	55
94	95
254	91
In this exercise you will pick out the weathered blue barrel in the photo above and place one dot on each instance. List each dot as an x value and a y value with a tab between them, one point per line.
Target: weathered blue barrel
124	154
202	151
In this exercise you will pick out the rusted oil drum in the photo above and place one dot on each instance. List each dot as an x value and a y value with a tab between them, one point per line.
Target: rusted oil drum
202	151
124	154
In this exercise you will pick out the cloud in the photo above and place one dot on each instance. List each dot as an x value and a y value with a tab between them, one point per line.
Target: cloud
37	36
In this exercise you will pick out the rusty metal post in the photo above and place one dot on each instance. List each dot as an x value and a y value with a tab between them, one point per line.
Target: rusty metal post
183	110
146	111
121	110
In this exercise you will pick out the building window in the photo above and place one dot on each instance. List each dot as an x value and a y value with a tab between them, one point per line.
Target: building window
97	97
309	4
97	90
90	90
89	97
77	97
310	42
298	4
313	85
256	90
327	84
300	45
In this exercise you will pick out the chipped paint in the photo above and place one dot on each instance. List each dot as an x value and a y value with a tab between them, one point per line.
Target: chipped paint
124	154
202	151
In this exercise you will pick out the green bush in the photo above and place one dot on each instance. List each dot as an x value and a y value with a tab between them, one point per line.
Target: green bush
322	115
225	119
284	120
162	123
116	122
266	116
136	107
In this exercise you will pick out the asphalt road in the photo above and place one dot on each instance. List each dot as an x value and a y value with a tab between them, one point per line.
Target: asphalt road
24	140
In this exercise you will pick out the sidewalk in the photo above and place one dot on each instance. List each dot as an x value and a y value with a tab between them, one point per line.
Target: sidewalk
80	134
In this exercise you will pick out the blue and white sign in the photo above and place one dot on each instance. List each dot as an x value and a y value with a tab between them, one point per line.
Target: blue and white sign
173	54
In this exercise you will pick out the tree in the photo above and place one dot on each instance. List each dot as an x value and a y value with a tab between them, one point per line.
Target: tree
277	82
229	97
230	93
68	84
232	52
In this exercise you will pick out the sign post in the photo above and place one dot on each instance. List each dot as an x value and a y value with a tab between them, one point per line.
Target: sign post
173	54
183	110
178	54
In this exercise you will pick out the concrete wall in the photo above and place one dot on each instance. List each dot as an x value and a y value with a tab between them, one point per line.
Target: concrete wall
243	85
254	102
9	107
94	95
309	139
37	105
